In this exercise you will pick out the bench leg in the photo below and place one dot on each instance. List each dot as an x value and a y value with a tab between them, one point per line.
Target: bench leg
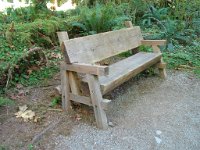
97	99
66	104
162	69
162	73
161	65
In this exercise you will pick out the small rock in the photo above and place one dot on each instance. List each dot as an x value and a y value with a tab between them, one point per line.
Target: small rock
111	124
58	89
158	140
158	132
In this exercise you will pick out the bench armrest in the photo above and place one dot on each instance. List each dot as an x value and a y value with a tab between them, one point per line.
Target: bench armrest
86	68
153	42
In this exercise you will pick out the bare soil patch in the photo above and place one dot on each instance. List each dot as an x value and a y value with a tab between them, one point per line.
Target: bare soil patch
140	109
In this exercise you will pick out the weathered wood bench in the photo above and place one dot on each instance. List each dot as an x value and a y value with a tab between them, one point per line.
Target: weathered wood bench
82	53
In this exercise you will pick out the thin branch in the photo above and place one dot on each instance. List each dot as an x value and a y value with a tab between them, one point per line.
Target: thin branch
10	69
159	23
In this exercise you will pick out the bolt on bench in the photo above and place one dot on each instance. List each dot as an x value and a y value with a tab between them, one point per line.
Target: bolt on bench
82	53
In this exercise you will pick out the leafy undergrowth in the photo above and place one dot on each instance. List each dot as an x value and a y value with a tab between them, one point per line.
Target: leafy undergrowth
38	77
22	34
181	58
178	54
184	57
5	101
28	48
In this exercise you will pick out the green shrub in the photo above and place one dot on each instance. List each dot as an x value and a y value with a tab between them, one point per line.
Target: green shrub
5	101
101	18
178	21
21	29
55	101
18	38
40	76
26	14
188	56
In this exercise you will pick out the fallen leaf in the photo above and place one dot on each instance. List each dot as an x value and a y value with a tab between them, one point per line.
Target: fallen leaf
58	89
23	108
78	117
34	68
28	114
17	66
56	55
19	86
25	114
29	71
18	114
21	93
36	119
13	97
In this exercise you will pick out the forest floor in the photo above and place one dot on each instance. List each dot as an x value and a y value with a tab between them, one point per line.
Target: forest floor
146	113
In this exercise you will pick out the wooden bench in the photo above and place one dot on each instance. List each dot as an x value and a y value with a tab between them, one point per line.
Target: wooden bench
82	53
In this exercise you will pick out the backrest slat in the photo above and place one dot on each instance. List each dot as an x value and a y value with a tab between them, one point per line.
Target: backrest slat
94	48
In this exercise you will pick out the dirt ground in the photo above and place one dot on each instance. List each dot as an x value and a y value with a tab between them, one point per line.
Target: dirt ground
146	113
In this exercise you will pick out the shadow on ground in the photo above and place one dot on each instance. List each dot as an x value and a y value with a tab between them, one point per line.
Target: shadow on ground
149	113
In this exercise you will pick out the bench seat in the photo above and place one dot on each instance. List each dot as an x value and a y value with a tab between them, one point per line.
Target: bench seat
127	68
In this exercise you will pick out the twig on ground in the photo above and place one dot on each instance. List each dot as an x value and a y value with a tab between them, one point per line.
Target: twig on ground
41	134
187	67
9	76
51	109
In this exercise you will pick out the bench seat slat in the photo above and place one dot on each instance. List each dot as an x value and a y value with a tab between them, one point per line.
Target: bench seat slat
126	69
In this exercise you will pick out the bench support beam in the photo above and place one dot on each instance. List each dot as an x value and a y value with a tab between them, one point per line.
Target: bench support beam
66	104
163	73
96	97
87	68
153	42
156	49
161	68
87	100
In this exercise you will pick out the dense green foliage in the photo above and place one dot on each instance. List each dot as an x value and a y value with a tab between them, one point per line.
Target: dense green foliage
187	57
99	19
5	101
21	33
24	29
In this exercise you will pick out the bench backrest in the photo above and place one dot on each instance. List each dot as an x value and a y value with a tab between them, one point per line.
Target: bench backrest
94	48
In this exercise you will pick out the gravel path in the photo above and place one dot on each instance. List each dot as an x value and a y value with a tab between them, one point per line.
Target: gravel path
150	113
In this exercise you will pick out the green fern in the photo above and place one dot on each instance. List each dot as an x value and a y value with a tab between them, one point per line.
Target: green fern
155	15
99	19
